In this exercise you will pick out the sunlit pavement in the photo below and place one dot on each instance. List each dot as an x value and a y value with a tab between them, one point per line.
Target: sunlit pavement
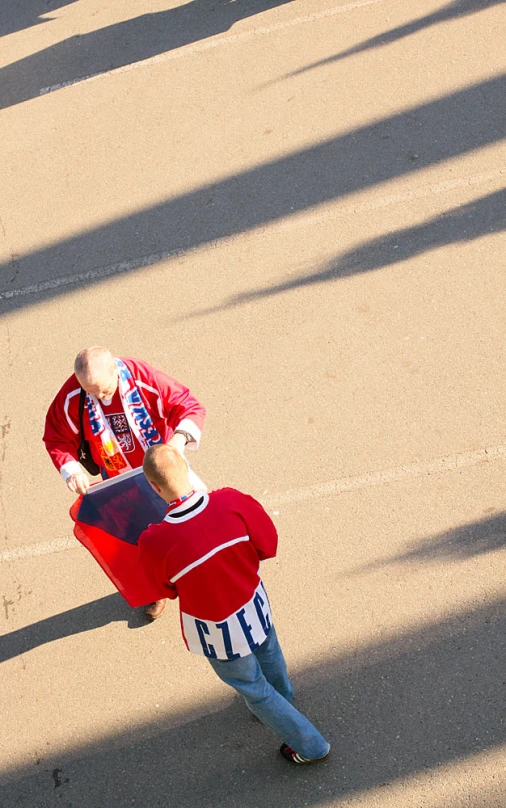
298	209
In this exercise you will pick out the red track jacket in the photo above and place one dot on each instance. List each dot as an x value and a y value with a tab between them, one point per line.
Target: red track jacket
169	403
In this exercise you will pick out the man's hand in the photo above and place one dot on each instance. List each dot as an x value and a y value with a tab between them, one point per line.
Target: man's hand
78	483
178	441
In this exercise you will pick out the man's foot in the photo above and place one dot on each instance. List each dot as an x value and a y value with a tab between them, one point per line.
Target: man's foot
154	610
294	757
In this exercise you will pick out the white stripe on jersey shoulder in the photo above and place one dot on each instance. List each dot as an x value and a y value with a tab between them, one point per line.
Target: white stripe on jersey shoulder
188	509
206	557
74	429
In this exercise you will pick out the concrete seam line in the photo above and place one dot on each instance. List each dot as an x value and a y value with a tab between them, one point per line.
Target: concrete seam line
435	466
301	219
339	486
92	274
189	50
305	219
43	548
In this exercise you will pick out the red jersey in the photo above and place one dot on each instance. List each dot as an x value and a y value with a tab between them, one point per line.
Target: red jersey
207	552
169	403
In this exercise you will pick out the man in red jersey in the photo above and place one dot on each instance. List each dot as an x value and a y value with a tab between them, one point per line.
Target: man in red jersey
207	552
121	407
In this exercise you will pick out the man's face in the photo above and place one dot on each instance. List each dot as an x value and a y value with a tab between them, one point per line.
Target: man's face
103	385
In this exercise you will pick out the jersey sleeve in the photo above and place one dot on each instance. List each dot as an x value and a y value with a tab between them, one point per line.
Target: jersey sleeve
153	562
261	529
61	435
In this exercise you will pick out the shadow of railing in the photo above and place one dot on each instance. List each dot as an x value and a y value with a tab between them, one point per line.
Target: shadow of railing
404	706
462	224
436	131
123	43
21	14
453	11
459	544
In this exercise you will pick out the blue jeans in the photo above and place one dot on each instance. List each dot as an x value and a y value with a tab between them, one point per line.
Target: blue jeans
262	679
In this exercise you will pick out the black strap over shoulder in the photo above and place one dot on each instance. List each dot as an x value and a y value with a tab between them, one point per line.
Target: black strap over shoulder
82	397
85	457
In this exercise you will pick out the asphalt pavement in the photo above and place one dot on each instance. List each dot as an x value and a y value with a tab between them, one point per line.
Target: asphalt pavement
298	209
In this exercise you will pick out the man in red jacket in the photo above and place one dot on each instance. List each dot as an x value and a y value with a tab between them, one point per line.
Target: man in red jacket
207	552
121	407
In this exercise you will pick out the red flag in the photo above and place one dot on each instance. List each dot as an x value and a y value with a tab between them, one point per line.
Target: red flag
109	519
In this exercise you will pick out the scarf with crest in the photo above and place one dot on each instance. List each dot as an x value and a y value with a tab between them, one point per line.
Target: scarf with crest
139	421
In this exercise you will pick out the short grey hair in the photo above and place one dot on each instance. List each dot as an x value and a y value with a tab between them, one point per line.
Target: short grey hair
89	359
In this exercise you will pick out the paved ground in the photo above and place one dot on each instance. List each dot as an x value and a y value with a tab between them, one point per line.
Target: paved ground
298	208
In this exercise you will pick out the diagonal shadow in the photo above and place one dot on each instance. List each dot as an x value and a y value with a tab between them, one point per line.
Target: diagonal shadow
464	223
397	708
438	130
123	43
21	14
452	11
101	612
462	543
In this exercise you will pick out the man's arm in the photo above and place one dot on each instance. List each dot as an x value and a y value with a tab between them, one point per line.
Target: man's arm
152	560
62	438
174	402
261	530
182	411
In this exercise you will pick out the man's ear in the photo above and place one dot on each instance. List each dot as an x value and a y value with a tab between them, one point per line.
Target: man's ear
155	487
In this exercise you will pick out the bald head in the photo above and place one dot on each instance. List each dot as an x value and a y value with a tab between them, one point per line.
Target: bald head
167	471
96	372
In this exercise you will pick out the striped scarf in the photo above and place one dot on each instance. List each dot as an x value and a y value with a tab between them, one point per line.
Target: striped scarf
139	419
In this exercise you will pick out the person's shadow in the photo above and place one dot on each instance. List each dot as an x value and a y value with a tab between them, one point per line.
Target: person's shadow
26	13
101	612
121	44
